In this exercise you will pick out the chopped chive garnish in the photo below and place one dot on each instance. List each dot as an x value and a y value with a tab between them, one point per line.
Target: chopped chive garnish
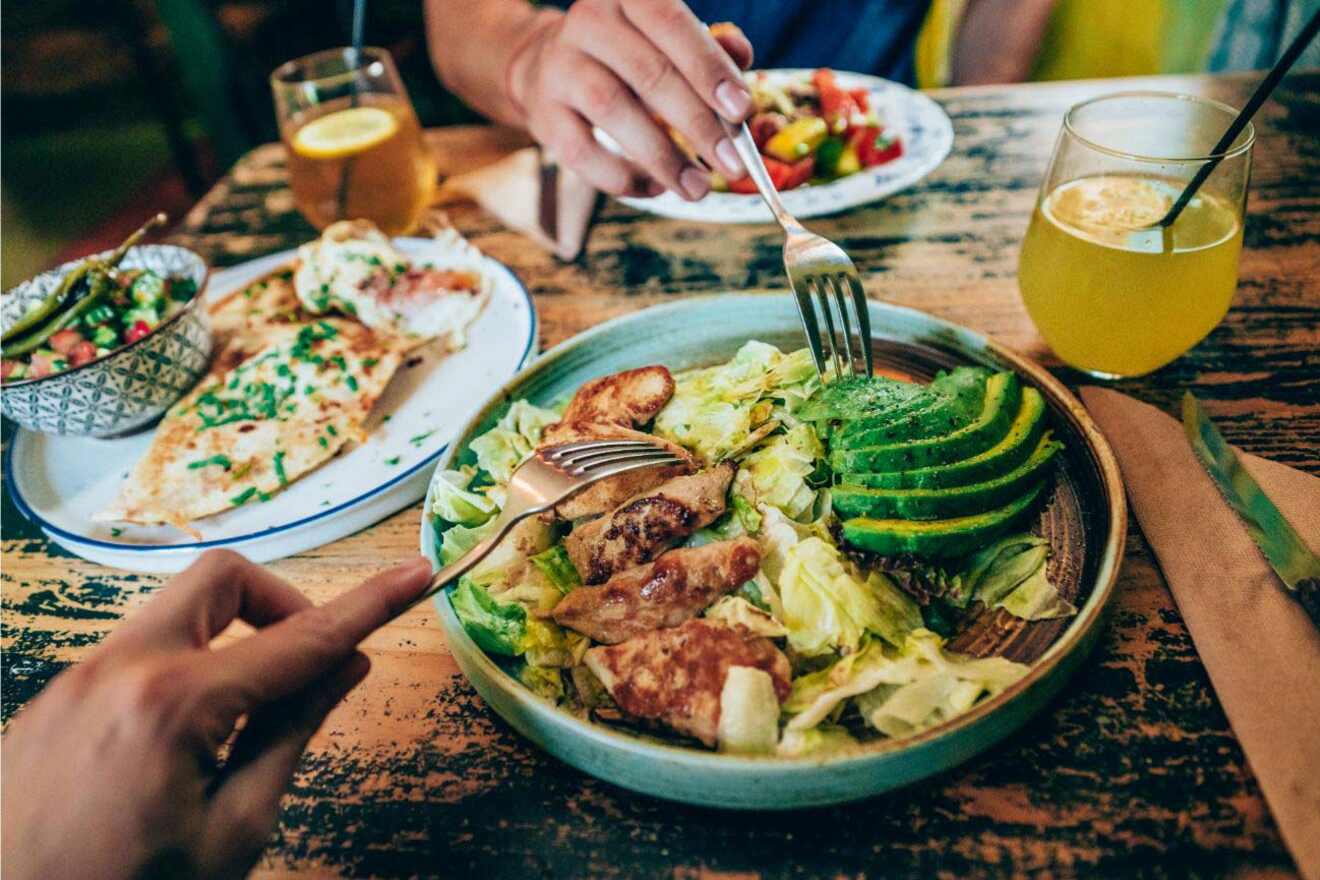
330	429
386	417
368	363
242	470
418	440
243	497
325	444
116	532
279	467
218	460
352	383
393	460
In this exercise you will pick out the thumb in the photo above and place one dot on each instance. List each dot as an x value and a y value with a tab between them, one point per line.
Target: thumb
245	800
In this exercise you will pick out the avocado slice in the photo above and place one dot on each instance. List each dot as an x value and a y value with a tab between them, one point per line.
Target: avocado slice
999	459
1003	396
955	501
853	397
955	399
938	537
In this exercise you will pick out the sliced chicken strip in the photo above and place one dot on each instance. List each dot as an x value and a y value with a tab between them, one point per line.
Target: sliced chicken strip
677	586
676	675
628	399
610	493
648	523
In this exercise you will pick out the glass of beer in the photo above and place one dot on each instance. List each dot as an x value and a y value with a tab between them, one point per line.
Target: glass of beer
354	147
1114	291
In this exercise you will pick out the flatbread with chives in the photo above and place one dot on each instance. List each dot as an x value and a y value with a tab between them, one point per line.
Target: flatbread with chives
259	421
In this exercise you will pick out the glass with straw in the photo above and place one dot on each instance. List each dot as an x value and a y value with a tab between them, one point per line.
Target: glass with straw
355	148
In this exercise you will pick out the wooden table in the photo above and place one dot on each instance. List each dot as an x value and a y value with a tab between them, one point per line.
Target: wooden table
1134	770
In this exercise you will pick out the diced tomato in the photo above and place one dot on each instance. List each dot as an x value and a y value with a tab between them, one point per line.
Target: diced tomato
8	367
38	366
862	98
136	332
82	353
836	105
784	175
65	340
873	148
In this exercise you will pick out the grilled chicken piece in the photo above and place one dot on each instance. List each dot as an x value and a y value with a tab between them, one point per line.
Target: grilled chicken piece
627	399
610	493
676	675
677	586
648	523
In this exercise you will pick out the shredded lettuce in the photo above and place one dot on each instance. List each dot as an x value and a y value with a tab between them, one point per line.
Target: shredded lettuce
899	691
746	513
454	502
715	410
500	450
827	607
823	740
457	540
943	686
557	568
749	712
776	474
738	610
1010	574
545	681
498	627
545	643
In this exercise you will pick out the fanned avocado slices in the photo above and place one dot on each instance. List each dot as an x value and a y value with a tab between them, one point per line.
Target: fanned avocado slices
1003	395
853	397
928	504
938	537
1010	452
955	399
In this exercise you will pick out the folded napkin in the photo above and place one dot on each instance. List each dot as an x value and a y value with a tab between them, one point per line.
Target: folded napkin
548	203
1261	650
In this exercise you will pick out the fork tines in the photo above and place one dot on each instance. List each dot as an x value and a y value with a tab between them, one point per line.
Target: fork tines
847	336
592	457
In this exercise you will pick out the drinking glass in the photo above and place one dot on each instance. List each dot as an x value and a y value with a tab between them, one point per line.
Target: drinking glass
1112	291
354	147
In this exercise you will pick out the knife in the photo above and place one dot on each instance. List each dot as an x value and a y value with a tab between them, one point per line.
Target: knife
1295	564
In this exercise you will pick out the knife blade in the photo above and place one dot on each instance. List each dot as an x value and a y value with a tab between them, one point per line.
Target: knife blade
1295	564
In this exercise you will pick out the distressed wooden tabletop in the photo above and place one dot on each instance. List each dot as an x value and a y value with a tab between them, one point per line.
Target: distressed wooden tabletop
1133	771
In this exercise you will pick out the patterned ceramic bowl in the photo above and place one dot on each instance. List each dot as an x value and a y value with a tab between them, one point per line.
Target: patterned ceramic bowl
133	385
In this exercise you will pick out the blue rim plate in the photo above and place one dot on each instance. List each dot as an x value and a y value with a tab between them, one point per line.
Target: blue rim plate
36	466
1088	514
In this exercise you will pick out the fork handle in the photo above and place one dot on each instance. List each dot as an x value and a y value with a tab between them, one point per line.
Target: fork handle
507	520
751	159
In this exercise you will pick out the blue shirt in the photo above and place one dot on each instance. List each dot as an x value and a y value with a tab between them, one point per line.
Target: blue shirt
866	36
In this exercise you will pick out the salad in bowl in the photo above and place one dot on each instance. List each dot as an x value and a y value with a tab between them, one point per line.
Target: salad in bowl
795	586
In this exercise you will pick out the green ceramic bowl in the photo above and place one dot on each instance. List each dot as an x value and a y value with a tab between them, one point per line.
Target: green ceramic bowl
1085	522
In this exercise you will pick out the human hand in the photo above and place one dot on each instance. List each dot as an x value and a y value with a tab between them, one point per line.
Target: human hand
589	67
111	771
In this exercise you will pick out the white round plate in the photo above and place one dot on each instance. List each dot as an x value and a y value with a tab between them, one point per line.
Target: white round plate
923	126
59	482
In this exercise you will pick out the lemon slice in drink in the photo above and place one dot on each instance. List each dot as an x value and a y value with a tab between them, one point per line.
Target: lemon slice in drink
344	133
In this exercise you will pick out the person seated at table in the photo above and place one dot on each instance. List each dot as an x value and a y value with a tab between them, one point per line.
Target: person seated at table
559	72
114	770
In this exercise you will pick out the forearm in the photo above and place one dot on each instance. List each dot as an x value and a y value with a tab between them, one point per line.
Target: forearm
998	40
472	44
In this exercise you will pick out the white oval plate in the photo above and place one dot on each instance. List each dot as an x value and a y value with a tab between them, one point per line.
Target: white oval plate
58	482
923	126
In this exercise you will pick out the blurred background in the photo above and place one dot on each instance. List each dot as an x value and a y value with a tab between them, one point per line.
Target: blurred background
118	108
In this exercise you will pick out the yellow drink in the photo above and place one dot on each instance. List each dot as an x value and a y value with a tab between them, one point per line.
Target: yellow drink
1115	297
367	162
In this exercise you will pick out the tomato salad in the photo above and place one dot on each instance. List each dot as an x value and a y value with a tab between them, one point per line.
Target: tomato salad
96	308
813	131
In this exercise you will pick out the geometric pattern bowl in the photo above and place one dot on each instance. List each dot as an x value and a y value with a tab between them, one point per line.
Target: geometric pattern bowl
130	387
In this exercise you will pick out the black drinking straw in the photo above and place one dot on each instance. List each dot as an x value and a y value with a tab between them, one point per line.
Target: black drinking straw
354	63
1263	91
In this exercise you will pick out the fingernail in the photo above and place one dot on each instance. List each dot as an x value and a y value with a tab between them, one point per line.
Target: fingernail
734	99
694	182
730	164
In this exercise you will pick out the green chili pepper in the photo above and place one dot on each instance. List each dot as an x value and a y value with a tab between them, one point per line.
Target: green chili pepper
100	284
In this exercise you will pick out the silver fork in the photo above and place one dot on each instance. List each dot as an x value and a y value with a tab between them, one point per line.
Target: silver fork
818	270
551	476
